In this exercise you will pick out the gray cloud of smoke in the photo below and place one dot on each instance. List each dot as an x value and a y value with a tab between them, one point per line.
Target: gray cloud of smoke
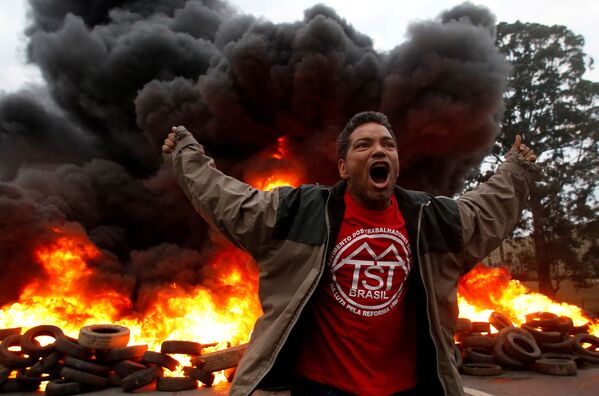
85	149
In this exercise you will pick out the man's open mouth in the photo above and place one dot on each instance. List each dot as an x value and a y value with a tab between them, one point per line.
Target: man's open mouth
379	174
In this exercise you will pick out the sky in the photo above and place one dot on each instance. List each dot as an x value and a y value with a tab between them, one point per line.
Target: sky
385	21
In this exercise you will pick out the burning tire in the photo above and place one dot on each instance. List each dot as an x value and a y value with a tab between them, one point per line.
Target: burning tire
141	378
501	336
133	352
590	354
581	339
114	380
555	366
579	329
35	381
220	360
84	378
11	358
197	373
500	321
15	385
182	347
479	341
481	327
84	366
70	347
104	336
127	367
32	347
45	365
564	325
478	355
481	369
160	359
522	348
545	337
586	358
7	332
175	384
562	356
463	325
4	373
63	388
558	347
544	320
500	353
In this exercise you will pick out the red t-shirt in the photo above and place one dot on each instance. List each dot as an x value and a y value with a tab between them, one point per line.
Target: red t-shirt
364	336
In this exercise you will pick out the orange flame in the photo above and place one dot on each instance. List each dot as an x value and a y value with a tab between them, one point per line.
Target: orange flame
286	174
282	150
484	290
67	298
277	180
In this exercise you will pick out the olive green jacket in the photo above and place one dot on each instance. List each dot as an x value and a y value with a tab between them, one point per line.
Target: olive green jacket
288	231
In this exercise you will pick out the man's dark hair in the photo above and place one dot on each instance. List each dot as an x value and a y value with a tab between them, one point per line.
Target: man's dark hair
357	120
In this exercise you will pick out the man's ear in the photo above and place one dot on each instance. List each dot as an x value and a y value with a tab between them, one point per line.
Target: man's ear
342	166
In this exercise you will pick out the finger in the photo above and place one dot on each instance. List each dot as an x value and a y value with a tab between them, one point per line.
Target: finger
532	158
166	149
524	152
172	136
517	142
170	143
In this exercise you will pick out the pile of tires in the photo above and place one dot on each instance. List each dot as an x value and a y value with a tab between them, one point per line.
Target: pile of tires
545	343
99	358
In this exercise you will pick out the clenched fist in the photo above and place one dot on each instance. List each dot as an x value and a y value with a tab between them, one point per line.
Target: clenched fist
522	149
169	142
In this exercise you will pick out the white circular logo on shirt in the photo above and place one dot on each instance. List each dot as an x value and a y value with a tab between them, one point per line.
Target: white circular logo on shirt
369	270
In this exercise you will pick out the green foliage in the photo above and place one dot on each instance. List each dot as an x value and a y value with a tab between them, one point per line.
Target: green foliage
555	110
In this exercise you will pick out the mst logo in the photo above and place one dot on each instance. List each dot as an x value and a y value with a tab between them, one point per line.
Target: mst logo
369	269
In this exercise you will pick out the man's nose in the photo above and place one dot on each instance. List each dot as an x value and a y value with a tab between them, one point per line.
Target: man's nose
378	150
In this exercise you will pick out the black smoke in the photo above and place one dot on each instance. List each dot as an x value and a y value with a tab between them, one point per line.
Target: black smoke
84	149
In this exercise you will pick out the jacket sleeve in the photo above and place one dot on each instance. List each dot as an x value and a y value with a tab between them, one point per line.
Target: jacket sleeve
490	212
245	215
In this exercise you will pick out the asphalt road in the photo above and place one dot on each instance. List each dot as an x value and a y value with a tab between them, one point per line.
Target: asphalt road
509	383
523	383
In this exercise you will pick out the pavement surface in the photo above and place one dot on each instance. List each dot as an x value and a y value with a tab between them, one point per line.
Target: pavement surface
509	383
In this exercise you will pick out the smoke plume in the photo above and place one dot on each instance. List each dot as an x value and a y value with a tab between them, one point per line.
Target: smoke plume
84	150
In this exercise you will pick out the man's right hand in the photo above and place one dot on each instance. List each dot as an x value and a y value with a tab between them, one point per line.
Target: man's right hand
169	142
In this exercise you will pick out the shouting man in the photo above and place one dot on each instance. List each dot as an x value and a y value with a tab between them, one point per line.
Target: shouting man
357	281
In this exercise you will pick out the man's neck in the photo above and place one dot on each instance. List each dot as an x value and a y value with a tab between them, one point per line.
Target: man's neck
370	204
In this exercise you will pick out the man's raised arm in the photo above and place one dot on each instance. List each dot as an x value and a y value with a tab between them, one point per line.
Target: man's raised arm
245	215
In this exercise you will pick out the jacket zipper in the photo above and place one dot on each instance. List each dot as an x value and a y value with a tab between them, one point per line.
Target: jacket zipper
428	316
312	290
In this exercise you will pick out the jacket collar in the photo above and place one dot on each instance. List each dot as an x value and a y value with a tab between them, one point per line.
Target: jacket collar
406	199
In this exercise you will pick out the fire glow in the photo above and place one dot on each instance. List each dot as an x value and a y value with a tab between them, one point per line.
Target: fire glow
68	296
484	290
65	297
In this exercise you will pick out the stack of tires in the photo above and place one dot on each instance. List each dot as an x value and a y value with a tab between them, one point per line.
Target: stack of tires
546	343
100	358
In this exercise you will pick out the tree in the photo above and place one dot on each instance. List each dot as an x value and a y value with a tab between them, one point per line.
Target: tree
555	109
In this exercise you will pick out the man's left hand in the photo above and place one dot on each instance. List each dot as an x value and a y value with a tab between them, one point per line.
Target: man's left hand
522	149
